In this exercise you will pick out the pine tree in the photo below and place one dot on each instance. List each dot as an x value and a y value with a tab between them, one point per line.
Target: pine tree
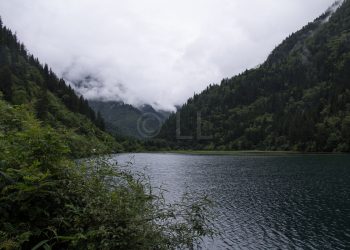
42	105
100	122
6	83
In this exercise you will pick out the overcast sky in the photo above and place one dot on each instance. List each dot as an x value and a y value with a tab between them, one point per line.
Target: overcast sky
154	51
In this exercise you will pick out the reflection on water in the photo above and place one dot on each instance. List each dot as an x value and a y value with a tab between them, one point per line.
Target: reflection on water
263	202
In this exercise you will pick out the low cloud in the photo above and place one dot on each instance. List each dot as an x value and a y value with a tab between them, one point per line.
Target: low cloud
158	51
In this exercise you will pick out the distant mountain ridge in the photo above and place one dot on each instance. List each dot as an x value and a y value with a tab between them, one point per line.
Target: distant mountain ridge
298	99
126	120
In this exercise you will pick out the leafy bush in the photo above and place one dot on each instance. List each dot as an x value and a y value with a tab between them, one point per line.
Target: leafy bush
49	201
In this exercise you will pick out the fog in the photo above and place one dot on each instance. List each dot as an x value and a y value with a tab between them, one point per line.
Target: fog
157	52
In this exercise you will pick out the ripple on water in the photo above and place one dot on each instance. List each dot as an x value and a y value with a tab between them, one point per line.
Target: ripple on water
291	202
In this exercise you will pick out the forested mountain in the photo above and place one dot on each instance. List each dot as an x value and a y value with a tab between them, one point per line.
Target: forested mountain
126	120
298	99
49	200
25	81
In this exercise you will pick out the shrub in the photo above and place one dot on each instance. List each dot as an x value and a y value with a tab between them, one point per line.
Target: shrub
49	201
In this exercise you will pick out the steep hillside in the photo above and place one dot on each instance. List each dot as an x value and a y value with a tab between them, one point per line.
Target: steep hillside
126	120
24	81
299	99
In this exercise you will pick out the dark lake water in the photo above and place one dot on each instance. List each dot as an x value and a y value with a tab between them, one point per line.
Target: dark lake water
263	202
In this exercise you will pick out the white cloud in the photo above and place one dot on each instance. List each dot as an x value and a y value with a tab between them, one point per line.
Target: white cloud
154	51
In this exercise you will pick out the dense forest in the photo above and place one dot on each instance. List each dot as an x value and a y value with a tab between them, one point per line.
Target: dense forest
51	200
297	100
25	81
126	120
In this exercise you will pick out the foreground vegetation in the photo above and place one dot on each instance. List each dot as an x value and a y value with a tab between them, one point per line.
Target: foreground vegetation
49	201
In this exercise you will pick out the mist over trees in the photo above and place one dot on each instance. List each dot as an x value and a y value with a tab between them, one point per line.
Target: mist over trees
299	99
26	82
16	64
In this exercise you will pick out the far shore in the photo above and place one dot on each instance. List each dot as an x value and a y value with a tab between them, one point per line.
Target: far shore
239	153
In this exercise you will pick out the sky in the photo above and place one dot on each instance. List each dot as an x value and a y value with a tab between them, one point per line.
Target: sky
157	52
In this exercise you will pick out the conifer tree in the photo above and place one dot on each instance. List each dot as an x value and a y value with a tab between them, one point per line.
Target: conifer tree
42	105
100	122
6	83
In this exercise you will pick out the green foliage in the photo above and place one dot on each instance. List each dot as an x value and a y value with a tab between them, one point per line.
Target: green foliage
299	99
23	80
42	105
124	120
100	122
121	119
48	201
6	83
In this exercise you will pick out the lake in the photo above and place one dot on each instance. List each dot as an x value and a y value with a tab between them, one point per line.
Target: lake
263	202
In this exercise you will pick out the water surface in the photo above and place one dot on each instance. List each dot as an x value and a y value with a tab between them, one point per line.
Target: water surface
263	202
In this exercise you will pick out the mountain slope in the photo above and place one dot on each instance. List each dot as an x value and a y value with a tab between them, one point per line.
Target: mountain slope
126	120
49	200
24	81
299	99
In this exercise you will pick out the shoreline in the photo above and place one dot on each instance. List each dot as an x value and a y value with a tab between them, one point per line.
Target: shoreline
238	153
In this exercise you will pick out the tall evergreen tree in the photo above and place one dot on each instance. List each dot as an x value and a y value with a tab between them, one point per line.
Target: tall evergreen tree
42	105
298	99
100	122
6	83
